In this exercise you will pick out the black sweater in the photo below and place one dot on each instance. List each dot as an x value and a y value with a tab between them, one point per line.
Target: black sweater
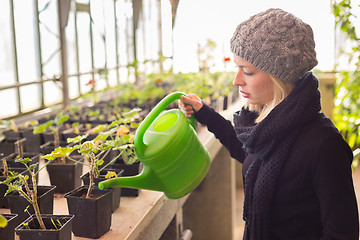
315	196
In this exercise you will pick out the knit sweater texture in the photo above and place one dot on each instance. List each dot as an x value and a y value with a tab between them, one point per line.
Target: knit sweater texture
296	168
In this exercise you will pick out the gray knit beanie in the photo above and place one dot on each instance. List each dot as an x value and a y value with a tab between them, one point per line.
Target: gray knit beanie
276	42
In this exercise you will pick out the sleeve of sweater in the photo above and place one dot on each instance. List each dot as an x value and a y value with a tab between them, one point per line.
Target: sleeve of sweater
222	129
334	187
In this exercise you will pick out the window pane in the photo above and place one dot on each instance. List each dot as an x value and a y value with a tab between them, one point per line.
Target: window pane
50	42
8	102
24	29
6	47
52	93
29	97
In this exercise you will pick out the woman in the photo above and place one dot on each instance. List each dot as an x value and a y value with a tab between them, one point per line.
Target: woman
296	166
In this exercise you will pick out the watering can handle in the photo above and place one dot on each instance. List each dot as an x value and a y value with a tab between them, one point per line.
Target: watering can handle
164	103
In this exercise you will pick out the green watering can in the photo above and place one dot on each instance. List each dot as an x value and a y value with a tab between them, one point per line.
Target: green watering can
174	160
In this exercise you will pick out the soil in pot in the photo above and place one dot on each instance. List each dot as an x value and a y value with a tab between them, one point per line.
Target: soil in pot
8	232
58	227
18	204
115	194
65	175
92	215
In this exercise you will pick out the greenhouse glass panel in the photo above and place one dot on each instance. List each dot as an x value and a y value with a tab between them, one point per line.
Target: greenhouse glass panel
24	32
53	93
29	97
50	42
7	75
10	108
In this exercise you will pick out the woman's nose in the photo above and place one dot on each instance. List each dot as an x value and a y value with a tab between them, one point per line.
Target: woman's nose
238	80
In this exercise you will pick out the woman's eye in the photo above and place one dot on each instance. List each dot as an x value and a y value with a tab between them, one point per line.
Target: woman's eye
248	74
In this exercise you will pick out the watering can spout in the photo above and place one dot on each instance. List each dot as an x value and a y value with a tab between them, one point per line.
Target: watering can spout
144	180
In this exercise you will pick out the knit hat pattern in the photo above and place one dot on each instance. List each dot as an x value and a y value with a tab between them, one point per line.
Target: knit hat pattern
276	42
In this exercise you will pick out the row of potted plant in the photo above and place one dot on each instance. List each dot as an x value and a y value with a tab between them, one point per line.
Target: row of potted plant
115	141
103	144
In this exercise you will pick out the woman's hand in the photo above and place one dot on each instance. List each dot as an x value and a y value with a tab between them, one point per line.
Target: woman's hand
190	104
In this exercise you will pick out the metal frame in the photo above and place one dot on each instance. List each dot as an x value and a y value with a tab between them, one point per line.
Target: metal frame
63	7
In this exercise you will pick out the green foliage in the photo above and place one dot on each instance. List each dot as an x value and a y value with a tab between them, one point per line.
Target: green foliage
115	136
54	126
346	112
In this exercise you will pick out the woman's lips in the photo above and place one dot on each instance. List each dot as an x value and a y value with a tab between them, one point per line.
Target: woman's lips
245	94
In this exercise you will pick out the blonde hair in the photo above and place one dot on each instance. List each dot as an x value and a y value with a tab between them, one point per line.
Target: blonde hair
281	91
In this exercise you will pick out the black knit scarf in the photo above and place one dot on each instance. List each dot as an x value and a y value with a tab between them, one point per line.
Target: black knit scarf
270	141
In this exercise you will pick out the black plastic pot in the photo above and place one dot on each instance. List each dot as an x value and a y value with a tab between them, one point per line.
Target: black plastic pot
3	188
65	176
33	141
8	232
7	146
115	194
33	231
92	215
18	204
12	135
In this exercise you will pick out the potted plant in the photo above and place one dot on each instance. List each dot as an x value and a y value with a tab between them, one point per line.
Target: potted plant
25	131
91	206
57	227
7	146
103	175
23	190
39	202
53	126
20	154
63	173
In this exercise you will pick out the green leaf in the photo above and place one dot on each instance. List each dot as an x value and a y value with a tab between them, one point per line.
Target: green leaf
134	125
100	128
10	189
77	139
115	123
60	119
23	160
59	152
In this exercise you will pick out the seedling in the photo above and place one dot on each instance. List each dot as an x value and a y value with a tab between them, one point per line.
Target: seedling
19	183
54	126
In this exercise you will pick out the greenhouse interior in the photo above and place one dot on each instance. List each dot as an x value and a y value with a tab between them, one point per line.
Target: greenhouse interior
90	96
